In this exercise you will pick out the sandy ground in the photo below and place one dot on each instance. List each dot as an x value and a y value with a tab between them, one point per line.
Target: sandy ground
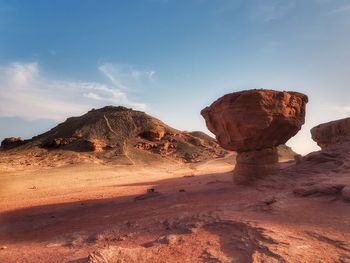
195	214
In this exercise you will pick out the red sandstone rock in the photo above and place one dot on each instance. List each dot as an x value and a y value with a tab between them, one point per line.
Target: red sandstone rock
255	119
254	123
330	133
255	164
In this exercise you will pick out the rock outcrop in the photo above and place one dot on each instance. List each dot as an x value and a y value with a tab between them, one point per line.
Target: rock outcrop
331	133
254	123
11	142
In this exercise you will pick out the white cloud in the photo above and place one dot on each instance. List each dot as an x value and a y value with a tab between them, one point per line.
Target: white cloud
271	46
342	9
93	96
271	10
126	77
342	111
26	93
105	69
151	75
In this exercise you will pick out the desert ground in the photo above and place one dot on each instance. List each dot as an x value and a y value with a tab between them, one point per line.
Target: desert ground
117	185
175	213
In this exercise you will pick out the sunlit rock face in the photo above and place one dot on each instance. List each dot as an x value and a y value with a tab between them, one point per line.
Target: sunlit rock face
331	133
254	123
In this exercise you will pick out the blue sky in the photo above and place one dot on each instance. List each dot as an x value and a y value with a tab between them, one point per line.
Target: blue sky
170	58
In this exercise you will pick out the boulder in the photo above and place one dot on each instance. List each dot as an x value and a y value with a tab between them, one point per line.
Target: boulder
331	133
11	142
254	123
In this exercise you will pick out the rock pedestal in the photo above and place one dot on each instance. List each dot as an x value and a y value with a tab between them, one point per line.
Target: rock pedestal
255	164
254	123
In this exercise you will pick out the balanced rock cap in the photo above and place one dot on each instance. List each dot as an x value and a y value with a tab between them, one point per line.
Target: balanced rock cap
255	119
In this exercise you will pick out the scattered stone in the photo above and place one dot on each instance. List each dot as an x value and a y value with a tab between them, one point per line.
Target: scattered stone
211	255
122	238
32	188
3	247
119	255
254	123
149	195
270	200
214	182
151	190
169	239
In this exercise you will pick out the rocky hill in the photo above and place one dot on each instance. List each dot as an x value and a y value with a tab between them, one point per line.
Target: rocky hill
115	134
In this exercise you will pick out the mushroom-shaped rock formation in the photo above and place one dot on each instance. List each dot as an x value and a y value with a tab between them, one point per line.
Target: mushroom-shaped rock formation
254	123
331	133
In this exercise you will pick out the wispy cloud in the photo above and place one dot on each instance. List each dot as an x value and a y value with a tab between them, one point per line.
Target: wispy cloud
271	46
343	111
271	10
342	9
125	76
25	92
151	74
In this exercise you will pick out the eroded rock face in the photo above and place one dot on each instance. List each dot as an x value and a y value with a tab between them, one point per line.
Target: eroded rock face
255	119
331	133
255	164
58	142
153	134
96	145
254	123
11	142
